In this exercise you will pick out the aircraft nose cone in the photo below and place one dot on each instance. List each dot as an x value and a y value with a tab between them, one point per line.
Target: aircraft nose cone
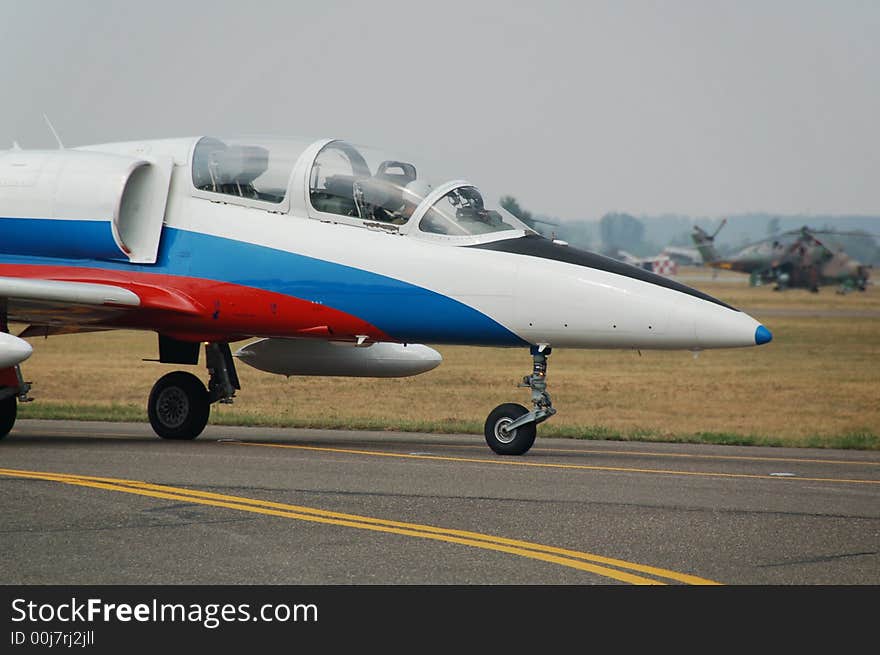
762	335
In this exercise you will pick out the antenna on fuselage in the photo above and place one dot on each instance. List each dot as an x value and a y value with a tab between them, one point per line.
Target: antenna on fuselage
57	138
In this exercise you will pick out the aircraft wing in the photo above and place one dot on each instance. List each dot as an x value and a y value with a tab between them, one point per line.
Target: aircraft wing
54	302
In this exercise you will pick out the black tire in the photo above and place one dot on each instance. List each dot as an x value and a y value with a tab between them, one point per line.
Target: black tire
179	406
515	443
8	412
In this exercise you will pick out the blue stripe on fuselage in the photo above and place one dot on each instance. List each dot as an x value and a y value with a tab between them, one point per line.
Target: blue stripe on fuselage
42	237
402	310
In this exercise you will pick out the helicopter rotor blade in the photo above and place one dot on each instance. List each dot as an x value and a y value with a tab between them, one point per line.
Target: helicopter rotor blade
718	229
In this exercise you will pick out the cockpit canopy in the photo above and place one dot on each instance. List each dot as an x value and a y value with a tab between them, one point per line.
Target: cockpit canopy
342	182
346	183
255	169
372	186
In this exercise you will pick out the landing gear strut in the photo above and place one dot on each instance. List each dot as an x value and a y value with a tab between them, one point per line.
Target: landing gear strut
511	428
179	404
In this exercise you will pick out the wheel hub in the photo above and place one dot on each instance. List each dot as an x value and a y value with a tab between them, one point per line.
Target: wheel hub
172	407
501	432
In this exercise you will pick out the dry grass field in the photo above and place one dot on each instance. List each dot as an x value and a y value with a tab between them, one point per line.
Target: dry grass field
817	383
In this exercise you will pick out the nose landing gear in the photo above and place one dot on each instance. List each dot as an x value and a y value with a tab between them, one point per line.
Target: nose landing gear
510	428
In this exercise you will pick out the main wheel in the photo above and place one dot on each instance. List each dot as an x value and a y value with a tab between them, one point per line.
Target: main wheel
8	412
515	442
179	406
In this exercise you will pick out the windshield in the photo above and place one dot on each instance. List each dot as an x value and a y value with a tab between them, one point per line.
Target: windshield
462	212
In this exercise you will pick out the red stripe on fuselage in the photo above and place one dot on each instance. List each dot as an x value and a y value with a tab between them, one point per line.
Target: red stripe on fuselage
197	309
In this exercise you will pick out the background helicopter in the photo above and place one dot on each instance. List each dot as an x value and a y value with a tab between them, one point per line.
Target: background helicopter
793	259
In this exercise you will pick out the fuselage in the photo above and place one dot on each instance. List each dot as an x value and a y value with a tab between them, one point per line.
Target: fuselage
226	269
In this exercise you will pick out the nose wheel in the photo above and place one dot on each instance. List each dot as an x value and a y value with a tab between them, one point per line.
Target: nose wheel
499	435
510	428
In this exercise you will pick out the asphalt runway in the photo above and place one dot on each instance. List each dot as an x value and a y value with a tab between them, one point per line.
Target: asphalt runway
109	503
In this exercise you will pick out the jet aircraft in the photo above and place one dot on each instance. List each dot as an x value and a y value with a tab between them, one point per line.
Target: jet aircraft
797	259
339	259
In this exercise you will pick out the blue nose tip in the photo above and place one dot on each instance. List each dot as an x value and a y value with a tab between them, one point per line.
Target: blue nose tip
762	335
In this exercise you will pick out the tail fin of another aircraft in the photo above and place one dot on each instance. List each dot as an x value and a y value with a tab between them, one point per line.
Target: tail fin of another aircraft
705	243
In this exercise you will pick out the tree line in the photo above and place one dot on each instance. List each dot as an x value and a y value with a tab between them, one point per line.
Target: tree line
617	231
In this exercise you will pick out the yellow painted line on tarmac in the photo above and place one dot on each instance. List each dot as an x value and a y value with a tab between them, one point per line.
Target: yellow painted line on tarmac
589	562
513	462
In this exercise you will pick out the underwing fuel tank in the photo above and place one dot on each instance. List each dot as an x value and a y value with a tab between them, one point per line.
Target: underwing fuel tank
13	350
318	357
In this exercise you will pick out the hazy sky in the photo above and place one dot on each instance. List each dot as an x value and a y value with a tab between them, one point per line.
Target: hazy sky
575	108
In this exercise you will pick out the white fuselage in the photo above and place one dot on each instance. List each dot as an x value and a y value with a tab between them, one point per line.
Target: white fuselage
414	287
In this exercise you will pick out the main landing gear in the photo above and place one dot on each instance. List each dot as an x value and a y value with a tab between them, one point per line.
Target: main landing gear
8	412
511	428
179	404
13	390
